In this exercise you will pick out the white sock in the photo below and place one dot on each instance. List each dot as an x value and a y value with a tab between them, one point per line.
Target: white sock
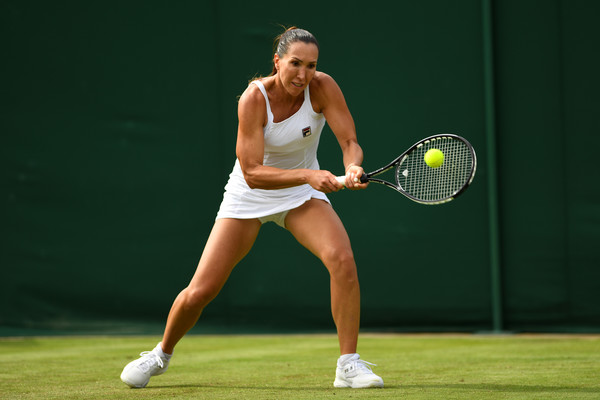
344	358
162	353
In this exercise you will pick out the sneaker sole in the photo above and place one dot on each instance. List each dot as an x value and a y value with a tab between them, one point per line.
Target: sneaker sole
133	386
338	383
130	384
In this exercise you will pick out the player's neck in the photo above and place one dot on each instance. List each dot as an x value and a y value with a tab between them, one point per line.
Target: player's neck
281	95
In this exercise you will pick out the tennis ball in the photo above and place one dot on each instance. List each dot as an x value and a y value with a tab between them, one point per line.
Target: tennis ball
434	158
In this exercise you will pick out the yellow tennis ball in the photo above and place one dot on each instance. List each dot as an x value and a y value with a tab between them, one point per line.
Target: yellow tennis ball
434	158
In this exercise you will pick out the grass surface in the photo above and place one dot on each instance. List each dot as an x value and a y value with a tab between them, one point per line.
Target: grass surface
303	367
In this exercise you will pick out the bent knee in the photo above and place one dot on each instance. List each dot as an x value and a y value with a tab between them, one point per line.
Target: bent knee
338	255
340	261
199	297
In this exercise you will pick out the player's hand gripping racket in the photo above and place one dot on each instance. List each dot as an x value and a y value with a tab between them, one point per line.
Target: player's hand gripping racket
432	179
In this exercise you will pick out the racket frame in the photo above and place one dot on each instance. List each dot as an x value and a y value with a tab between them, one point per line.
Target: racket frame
369	177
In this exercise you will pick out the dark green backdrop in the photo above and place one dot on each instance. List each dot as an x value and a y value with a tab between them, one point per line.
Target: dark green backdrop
118	129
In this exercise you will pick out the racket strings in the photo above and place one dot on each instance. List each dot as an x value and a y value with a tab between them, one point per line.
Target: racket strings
429	184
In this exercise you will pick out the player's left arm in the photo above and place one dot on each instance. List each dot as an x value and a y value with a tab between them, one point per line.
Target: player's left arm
332	104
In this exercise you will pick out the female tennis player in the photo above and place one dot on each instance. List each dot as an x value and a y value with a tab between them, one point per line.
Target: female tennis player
276	177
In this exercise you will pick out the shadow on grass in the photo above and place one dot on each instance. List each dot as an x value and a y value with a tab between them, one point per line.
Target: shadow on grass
278	388
505	388
457	386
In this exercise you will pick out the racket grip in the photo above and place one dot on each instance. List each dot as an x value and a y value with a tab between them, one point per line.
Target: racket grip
342	179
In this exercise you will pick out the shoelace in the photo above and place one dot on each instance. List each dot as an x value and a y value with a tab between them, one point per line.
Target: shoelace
151	358
362	364
358	365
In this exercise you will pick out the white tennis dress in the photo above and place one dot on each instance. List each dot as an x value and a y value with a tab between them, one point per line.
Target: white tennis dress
289	144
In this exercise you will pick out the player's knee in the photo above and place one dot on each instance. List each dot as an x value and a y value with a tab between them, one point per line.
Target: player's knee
339	255
199	297
340	262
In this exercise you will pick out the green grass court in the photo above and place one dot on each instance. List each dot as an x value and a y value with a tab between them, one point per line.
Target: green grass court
302	367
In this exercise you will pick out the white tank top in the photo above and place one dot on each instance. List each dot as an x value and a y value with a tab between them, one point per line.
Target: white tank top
289	144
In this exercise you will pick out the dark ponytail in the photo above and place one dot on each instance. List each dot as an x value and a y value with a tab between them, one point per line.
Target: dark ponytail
291	35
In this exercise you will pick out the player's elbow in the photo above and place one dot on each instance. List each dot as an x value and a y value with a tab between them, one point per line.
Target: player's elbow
251	178
251	172
252	184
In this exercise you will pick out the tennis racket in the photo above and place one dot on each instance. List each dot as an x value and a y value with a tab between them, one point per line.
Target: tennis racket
428	185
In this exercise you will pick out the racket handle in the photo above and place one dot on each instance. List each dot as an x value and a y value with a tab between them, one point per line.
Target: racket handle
342	179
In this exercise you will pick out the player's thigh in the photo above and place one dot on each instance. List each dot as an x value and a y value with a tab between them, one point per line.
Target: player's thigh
316	225
229	241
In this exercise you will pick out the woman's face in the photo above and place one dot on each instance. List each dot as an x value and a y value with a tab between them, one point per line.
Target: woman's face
297	68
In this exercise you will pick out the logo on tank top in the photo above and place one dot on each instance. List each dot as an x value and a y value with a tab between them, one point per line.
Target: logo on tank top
306	132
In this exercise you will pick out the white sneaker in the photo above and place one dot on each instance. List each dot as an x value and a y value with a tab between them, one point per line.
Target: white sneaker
356	373
137	373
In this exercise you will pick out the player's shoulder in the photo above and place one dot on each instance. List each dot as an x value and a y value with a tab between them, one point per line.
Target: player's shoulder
252	101
322	82
251	95
324	90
